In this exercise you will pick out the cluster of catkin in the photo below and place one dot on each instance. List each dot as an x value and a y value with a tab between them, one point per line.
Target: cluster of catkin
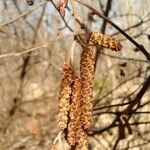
76	94
75	101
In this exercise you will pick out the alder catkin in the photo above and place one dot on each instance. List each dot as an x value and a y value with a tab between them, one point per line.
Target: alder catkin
65	95
105	41
87	74
75	111
82	142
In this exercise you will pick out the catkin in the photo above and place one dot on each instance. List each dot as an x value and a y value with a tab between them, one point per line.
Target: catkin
105	41
82	142
65	95
75	111
87	74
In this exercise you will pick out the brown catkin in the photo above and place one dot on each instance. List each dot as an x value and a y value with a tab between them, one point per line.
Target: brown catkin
105	41
87	74
75	111
82	142
65	95
77	136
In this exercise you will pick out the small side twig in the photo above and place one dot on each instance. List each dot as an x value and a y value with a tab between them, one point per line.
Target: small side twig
58	139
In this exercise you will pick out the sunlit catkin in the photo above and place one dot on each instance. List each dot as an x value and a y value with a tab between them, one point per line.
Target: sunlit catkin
65	95
82	142
87	74
75	112
105	41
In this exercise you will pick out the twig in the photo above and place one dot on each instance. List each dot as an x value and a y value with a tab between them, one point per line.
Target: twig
35	48
72	51
103	29
139	96
124	58
118	86
58	139
113	125
23	52
20	142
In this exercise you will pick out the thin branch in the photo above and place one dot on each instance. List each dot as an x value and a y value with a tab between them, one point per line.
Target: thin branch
118	86
124	58
116	113
139	96
103	29
32	49
113	125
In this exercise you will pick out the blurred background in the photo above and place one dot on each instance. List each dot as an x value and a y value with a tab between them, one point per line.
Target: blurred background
34	43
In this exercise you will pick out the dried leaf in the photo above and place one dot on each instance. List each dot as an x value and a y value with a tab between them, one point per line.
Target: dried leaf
62	4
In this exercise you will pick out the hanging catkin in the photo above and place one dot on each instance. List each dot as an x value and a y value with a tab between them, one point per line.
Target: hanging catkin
82	142
65	95
75	111
87	74
105	41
